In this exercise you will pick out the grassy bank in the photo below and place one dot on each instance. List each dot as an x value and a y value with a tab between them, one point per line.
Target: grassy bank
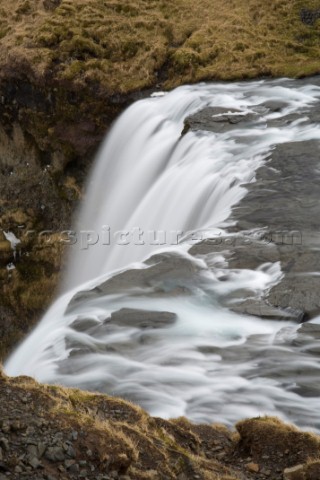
123	46
58	433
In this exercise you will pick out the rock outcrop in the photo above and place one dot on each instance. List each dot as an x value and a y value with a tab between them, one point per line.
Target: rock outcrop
276	220
51	433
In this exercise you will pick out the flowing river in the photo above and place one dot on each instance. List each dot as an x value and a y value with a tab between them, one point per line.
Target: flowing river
147	315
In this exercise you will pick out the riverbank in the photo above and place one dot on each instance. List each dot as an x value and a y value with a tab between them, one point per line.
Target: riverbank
51	433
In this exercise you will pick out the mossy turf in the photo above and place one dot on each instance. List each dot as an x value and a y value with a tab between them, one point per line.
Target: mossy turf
123	46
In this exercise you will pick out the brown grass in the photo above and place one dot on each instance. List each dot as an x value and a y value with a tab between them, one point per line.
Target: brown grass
127	438
123	46
261	435
118	432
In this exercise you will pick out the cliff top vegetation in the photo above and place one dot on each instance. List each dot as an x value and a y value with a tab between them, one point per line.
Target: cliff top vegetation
123	46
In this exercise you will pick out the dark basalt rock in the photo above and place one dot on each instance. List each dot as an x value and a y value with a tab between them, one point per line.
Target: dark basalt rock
283	204
217	119
130	317
262	309
168	274
127	317
273	105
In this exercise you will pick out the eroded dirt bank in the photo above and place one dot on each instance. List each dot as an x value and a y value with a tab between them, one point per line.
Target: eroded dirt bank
49	433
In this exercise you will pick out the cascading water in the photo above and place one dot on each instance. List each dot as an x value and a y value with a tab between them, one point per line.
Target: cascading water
154	330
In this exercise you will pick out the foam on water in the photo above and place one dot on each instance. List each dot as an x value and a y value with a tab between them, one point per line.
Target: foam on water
209	363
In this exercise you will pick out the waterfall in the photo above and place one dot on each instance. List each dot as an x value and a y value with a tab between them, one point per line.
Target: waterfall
149	178
140	316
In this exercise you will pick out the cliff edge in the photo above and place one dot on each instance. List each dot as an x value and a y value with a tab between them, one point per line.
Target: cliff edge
51	433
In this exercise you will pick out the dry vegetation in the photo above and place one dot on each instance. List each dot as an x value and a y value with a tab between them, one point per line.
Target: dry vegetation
123	46
75	432
112	435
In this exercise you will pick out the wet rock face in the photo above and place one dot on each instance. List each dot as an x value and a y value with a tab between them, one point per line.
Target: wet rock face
129	317
48	137
56	123
284	199
288	186
282	204
217	119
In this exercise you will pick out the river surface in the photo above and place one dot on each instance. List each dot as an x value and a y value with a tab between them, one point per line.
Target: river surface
146	313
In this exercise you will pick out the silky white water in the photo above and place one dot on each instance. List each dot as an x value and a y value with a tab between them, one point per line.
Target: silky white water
155	192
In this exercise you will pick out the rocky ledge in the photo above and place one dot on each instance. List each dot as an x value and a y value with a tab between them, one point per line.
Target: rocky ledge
51	433
276	220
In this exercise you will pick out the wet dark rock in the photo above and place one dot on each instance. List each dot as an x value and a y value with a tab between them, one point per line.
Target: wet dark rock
282	210
311	329
241	251
262	309
168	274
128	317
285	198
285	201
83	325
273	105
217	119
286	120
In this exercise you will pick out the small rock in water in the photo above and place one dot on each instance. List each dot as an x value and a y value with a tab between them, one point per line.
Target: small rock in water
131	317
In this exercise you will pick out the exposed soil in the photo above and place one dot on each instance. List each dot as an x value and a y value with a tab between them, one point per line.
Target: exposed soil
49	433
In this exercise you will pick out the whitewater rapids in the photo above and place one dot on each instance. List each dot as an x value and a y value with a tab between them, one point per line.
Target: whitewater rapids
142	318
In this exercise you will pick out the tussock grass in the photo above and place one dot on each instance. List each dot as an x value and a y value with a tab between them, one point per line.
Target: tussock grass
260	435
124	437
125	46
119	433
